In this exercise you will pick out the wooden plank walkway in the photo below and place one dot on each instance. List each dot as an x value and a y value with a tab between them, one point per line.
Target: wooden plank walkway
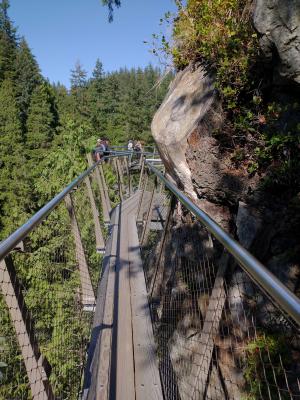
122	361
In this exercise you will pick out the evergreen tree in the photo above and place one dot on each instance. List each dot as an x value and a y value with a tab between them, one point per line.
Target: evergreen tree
42	121
98	72
111	4
13	189
27	77
8	43
78	77
78	90
95	98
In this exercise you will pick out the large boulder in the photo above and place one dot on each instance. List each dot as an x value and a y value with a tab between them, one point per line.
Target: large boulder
278	24
190	97
183	130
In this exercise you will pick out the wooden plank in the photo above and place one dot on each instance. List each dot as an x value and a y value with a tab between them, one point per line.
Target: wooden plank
127	368
147	378
100	327
103	376
125	385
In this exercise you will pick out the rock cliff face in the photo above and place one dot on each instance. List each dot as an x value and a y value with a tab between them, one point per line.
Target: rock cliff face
184	130
267	224
278	24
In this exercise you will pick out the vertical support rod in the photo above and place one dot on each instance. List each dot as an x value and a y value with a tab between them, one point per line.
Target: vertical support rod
87	292
128	175
162	245
141	159
105	188
100	245
20	317
120	174
142	172
104	204
119	181
148	218
139	217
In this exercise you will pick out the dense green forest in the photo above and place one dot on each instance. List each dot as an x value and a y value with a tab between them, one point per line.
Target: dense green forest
46	131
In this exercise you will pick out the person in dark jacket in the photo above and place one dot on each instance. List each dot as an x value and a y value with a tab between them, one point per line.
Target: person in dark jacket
99	149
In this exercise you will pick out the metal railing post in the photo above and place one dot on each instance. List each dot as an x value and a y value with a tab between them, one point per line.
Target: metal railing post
138	216
105	206
120	174
162	245
142	172
148	218
128	176
88	297
119	180
100	245
20	316
105	188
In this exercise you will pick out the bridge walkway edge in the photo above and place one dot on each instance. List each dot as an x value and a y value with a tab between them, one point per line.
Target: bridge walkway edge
122	362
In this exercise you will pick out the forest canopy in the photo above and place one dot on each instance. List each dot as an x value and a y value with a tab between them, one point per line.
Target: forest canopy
40	122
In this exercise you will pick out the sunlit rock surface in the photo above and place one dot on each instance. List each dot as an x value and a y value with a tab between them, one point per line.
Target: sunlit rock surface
278	23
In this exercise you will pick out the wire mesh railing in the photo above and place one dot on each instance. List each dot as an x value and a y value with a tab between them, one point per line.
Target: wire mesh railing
49	272
219	334
225	328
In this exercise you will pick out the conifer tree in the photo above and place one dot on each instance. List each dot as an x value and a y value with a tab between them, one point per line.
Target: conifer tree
27	77
78	77
95	98
98	72
41	123
42	117
111	4
13	189
78	90
8	43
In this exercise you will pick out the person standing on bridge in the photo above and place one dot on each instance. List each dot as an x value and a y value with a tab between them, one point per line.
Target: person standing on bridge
130	148
138	149
99	149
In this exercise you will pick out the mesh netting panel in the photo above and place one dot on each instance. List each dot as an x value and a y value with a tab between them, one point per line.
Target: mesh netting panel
218	335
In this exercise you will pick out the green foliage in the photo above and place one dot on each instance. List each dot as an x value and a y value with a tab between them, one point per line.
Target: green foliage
8	43
218	33
262	351
46	132
42	119
27	75
13	185
111	4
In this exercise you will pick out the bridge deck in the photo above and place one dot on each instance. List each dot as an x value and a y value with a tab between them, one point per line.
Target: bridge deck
122	360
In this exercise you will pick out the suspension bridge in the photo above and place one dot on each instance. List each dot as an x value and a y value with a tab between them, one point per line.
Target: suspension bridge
122	288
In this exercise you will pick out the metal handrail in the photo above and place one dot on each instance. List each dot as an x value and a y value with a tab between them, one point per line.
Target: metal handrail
8	244
286	299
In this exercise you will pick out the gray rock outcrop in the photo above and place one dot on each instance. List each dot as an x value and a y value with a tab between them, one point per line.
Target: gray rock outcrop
190	97
278	24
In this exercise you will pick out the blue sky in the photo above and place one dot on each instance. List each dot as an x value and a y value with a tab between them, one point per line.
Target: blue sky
60	32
